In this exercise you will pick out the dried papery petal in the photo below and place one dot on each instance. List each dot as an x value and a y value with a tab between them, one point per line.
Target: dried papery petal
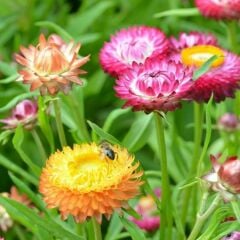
52	66
132	45
25	113
84	182
156	85
219	9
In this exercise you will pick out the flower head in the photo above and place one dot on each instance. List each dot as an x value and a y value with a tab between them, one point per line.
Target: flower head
25	113
222	80
225	178
6	221
85	182
229	122
219	9
232	236
147	208
132	45
22	198
156	85
51	66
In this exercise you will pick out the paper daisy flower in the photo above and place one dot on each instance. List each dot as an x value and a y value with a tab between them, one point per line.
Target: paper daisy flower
52	66
156	85
86	181
25	113
219	9
221	80
132	45
225	177
229	122
232	236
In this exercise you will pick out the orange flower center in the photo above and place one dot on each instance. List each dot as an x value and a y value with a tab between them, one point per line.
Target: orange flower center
198	55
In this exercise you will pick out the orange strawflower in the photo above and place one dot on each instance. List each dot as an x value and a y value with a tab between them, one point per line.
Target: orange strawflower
89	180
52	66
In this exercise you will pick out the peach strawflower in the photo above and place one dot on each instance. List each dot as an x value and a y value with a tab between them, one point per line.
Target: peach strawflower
84	182
52	66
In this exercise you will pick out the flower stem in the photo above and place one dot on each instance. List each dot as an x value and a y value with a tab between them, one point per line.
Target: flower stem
165	213
232	36
203	216
198	127
60	129
39	145
97	230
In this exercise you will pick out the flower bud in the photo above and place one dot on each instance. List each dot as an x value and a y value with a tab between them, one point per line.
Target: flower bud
228	122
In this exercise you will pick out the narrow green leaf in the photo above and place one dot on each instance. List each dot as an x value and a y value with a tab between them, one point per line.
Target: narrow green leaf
17	142
205	67
182	12
87	18
14	208
11	166
131	211
138	134
9	79
25	189
18	98
56	28
44	124
102	134
114	228
7	69
4	136
135	232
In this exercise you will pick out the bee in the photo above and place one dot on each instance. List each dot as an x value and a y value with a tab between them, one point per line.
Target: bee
107	151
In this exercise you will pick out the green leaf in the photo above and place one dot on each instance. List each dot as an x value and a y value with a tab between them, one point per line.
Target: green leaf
56	28
11	166
7	69
87	18
31	195
205	67
138	134
131	211
44	124
9	79
4	136
102	134
17	142
113	116
182	12
18	98
33	218
114	228
135	232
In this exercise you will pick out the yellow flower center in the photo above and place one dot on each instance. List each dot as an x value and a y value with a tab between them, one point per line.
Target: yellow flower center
198	55
86	168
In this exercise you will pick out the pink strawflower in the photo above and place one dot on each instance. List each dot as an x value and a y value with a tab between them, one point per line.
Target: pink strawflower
147	208
25	113
219	9
225	177
156	85
232	236
229	122
52	66
191	39
132	45
222	80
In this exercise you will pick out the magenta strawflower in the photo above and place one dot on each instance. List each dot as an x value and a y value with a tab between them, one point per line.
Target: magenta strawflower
229	122
132	45
25	113
222	80
219	9
156	85
232	236
191	39
225	177
147	208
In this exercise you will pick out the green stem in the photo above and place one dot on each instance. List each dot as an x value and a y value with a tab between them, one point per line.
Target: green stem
202	217
39	145
60	129
236	209
232	36
198	131
165	213
97	230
